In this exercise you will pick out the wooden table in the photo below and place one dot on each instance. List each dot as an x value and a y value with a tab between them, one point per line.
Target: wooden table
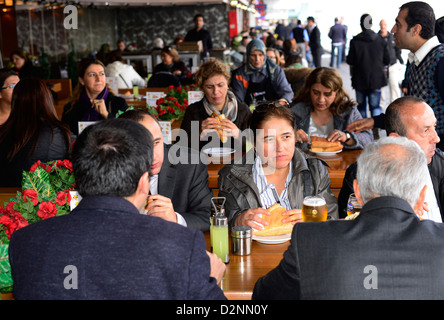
338	164
243	271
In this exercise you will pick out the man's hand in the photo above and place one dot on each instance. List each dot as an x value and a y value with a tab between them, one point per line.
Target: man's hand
361	125
217	267
162	207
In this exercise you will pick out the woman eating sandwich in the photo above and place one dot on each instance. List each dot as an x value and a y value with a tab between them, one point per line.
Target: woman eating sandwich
275	171
323	109
219	116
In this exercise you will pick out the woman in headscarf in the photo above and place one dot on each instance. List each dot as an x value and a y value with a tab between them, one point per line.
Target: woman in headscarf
260	79
213	78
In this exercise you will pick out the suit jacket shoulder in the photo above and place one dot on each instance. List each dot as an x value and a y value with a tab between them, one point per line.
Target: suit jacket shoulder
184	179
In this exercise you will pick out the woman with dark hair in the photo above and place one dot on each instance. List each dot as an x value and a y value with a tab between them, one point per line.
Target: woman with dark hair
260	79
8	80
275	171
172	64
23	65
92	99
324	109
32	132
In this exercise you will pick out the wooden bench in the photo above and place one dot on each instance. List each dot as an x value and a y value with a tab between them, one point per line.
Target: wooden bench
7	193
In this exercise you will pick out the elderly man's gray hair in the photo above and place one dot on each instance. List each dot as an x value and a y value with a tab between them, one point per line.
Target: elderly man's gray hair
392	166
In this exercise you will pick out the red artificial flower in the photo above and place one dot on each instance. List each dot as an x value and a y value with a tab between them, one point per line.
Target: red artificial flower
63	197
10	211
12	224
170	110
47	210
30	194
171	87
161	111
65	164
41	165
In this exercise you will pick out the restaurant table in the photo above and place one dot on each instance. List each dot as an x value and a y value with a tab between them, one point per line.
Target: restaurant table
337	165
242	272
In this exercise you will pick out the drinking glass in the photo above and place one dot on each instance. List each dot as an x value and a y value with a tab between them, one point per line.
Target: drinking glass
314	209
353	205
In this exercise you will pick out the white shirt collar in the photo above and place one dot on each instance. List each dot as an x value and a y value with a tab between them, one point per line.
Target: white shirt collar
422	52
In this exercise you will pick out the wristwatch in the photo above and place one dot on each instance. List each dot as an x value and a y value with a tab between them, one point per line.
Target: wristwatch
347	135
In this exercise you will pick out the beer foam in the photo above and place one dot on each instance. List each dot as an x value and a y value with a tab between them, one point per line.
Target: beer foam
314	202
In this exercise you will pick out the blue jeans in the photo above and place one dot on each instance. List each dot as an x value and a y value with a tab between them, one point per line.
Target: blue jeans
337	48
373	97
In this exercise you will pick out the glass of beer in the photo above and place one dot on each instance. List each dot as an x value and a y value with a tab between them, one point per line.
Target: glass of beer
353	205
314	209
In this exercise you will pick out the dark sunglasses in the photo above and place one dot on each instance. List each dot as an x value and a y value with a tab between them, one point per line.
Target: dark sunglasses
270	104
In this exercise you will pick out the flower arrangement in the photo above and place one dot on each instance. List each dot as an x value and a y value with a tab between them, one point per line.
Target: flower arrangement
173	105
45	194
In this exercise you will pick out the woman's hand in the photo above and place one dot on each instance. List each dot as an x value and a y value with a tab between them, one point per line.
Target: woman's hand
294	216
100	107
337	135
208	125
252	218
301	136
228	127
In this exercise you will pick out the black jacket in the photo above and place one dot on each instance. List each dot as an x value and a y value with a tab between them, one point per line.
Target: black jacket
367	58
385	253
72	116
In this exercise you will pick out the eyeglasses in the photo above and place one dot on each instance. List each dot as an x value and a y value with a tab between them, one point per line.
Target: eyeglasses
271	104
10	86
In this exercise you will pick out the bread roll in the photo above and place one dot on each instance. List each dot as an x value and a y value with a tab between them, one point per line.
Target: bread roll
275	226
220	132
319	144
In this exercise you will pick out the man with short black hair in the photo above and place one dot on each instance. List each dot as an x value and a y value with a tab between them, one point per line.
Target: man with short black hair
200	34
424	78
112	251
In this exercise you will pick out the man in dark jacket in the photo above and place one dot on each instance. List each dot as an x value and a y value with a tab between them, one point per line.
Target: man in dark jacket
385	253
411	117
367	58
337	34
105	249
200	34
315	41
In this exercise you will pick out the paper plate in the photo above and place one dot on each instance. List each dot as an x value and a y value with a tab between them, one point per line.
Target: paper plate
219	151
